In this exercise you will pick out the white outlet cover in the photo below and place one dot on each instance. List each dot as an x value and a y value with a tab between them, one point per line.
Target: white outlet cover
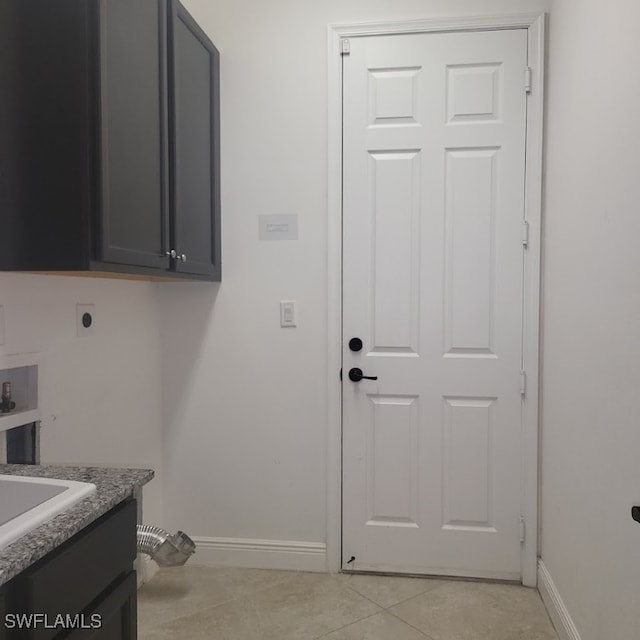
81	330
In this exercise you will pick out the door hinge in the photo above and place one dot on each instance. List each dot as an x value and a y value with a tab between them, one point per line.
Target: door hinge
525	234
523	529
345	47
523	383
527	79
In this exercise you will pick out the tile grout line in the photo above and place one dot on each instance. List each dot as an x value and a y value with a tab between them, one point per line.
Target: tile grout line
415	596
346	583
496	599
189	614
395	603
344	626
377	613
444	583
231	598
548	615
397	617
380	610
387	610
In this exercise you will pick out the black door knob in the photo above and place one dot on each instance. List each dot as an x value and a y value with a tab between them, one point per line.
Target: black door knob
355	344
355	375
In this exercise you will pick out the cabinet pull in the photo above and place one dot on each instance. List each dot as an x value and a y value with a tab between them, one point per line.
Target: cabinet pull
175	255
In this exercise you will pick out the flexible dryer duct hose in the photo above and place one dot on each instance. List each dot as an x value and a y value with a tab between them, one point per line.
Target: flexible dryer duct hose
166	549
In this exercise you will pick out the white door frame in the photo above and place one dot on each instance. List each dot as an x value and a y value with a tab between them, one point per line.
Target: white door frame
535	24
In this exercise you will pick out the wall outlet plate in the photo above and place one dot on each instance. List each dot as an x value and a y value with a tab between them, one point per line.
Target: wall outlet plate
85	320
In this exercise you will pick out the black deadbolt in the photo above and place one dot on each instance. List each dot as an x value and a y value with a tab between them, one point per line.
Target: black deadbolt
355	375
355	344
86	320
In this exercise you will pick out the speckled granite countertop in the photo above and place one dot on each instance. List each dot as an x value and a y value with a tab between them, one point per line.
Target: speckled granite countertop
112	487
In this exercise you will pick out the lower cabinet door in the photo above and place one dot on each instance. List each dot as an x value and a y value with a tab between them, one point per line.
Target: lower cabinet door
113	617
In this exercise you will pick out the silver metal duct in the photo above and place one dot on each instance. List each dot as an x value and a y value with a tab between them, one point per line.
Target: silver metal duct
166	549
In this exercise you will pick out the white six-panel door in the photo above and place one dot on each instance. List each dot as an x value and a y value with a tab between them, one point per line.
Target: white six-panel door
433	206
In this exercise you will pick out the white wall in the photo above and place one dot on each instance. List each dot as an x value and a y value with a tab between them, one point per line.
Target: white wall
245	400
591	319
100	396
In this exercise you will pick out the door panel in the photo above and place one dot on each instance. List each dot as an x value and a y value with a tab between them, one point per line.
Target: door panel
470	176
396	180
467	492
393	437
134	132
433	205
195	156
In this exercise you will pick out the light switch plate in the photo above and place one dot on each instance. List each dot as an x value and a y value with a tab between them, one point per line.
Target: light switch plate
82	330
288	313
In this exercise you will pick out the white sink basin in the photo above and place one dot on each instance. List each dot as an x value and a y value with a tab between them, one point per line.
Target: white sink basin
26	502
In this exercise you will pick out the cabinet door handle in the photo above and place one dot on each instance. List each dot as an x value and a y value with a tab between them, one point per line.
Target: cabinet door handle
175	255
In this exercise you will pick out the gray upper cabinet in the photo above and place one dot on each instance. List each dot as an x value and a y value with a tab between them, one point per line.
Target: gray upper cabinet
110	126
134	225
195	147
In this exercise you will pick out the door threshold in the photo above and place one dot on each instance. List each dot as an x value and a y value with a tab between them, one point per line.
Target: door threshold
429	576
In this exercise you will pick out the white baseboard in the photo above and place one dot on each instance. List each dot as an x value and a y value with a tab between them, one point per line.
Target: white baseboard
260	554
555	606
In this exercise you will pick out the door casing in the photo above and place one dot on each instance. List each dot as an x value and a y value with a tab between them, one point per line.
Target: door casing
535	25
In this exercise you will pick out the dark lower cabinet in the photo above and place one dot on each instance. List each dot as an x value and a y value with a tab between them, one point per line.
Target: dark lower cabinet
85	589
109	124
116	613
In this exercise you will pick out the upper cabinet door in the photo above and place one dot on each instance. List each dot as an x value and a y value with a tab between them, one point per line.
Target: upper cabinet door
134	220
195	153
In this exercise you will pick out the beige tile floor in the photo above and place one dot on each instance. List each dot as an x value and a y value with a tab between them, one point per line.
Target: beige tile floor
198	603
